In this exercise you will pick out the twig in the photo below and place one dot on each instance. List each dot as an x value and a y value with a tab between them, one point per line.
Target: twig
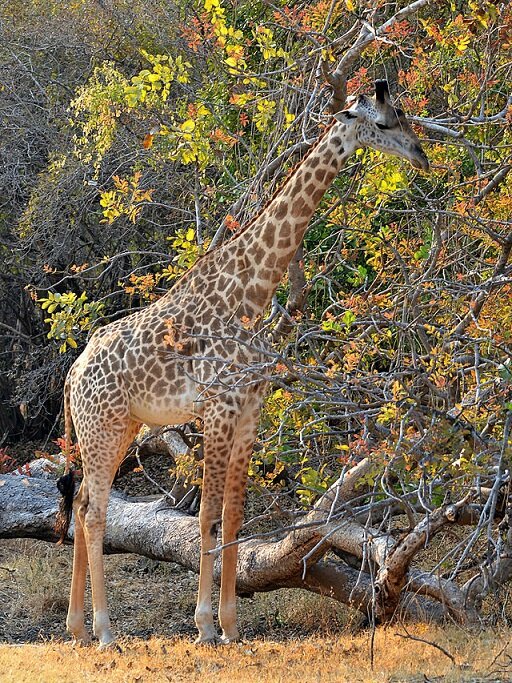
499	654
427	642
166	493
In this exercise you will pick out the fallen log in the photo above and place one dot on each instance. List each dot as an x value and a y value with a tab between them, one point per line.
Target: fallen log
28	507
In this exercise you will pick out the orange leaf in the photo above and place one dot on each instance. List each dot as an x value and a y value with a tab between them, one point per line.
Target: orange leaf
231	223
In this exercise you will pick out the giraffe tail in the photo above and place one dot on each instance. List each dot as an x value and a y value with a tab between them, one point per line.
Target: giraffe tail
66	483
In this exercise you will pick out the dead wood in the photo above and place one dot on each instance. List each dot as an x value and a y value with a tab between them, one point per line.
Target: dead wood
392	575
153	528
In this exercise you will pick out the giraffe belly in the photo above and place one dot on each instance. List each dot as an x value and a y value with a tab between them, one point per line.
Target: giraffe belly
166	411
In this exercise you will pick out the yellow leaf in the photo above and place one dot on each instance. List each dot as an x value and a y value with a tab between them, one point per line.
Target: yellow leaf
461	43
188	126
350	5
187	156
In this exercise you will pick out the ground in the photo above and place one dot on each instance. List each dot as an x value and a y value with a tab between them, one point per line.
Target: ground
147	598
288	635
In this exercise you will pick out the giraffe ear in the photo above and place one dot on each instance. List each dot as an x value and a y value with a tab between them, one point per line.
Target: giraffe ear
381	91
345	115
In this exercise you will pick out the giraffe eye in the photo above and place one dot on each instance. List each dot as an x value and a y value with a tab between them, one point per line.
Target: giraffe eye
382	126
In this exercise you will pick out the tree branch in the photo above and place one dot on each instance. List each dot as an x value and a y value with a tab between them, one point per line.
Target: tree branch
338	78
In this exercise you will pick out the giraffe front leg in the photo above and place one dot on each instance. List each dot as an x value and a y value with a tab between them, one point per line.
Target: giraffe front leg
232	517
218	440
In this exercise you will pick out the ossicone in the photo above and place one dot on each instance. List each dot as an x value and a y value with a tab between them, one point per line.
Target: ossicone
381	91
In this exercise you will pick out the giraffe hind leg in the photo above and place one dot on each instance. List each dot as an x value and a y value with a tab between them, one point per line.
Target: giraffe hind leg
100	461
75	620
94	531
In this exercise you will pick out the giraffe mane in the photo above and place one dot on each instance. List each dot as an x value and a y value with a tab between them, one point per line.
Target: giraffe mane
262	210
282	186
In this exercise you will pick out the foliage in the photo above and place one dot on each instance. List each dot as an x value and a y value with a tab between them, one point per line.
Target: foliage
125	199
69	315
187	251
130	157
8	463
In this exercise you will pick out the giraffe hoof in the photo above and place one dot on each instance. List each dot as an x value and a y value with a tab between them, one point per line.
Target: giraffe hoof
82	641
206	640
226	640
109	645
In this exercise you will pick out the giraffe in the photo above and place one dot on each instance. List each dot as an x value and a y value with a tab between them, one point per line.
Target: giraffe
182	358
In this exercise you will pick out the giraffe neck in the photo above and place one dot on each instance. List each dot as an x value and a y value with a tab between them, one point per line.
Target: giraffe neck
270	242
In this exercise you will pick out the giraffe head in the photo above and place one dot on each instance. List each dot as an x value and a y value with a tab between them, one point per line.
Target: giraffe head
375	122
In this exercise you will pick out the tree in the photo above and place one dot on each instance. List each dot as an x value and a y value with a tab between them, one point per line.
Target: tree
393	326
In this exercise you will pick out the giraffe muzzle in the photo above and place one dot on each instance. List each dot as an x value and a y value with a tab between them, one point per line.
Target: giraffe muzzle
420	160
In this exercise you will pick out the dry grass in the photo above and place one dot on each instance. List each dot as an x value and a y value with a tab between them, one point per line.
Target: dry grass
36	580
291	635
340	658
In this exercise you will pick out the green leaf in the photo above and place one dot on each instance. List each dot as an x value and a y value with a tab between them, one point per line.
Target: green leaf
348	318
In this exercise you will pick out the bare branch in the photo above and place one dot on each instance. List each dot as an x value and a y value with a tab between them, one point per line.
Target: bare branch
338	78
